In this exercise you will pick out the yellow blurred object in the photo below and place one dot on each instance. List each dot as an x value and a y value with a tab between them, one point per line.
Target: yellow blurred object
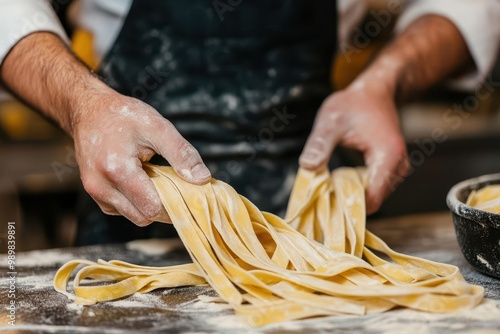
19	122
82	44
347	67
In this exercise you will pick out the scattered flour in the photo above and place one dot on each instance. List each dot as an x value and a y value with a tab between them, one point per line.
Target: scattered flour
128	303
155	246
49	328
45	258
36	282
139	300
230	321
210	299
415	322
74	308
206	312
359	85
200	305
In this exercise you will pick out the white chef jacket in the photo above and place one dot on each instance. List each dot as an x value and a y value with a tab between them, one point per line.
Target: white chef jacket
477	20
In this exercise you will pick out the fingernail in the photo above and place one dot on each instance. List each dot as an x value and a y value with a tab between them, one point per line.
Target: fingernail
200	172
310	158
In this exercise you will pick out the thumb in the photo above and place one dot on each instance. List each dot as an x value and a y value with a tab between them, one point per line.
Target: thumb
319	146
181	155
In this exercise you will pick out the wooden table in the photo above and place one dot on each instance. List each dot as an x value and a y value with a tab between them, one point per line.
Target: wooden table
41	309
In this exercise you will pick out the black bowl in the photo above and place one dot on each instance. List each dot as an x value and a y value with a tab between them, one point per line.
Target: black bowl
478	232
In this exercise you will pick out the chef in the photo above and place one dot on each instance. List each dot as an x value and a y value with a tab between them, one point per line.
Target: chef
235	89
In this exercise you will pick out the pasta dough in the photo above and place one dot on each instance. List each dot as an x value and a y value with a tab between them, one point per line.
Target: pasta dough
486	199
320	260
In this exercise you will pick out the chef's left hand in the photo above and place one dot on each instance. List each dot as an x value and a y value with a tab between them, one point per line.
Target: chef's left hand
363	117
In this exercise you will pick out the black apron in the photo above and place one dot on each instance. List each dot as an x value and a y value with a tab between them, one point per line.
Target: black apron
241	80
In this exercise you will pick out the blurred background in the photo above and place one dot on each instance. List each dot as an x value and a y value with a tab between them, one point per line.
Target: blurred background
39	181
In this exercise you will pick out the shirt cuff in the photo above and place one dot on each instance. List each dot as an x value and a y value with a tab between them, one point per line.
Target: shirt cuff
19	18
476	20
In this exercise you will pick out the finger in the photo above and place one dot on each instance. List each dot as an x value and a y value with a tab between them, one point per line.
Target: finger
387	166
137	187
319	145
111	201
107	209
117	204
181	155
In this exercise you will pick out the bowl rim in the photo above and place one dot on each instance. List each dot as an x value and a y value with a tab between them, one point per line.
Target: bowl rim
463	210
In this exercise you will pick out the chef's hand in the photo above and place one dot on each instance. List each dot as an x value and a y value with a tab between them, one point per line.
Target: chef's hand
361	117
113	136
364	117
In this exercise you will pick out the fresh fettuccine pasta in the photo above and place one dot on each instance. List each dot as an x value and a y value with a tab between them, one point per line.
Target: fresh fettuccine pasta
486	199
319	260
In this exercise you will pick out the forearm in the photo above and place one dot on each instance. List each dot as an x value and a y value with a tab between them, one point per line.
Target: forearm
42	71
430	50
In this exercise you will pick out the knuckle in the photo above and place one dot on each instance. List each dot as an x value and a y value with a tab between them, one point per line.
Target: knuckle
108	206
404	167
112	170
318	143
185	148
162	125
112	175
91	186
401	149
398	150
188	153
142	222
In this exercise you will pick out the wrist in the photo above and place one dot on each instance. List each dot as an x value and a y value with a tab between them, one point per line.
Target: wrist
381	78
92	95
42	71
375	84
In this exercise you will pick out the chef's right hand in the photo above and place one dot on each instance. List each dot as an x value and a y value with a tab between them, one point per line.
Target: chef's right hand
113	136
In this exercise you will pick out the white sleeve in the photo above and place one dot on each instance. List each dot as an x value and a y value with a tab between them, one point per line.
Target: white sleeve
477	20
350	14
19	18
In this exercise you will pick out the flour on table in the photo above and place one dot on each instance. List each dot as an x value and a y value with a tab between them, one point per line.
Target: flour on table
35	282
45	258
155	246
415	322
206	304
74	307
140	300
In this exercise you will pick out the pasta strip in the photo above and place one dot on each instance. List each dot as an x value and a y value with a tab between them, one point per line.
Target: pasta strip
320	260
